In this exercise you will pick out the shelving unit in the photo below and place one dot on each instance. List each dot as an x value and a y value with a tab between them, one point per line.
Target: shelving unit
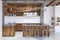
17	10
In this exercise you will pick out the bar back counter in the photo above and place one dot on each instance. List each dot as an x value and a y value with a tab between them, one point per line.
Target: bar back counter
29	30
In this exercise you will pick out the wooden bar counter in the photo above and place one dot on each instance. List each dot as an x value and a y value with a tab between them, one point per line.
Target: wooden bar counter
28	29
35	30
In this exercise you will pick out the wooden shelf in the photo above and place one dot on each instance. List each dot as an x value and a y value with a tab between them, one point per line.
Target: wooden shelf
20	8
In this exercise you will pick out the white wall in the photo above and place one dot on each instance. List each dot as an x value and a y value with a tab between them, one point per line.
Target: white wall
57	11
48	13
57	28
57	14
22	19
0	19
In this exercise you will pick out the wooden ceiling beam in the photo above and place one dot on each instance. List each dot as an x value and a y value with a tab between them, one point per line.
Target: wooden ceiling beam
56	2
23	0
51	2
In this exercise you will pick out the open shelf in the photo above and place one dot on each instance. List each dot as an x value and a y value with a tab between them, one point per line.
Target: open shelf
19	9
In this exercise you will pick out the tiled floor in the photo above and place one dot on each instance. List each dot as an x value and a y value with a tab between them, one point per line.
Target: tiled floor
19	36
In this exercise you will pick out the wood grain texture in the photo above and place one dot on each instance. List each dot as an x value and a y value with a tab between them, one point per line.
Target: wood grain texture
21	8
19	27
8	31
36	31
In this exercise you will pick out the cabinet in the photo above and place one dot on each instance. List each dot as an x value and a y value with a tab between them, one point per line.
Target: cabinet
35	31
28	31
8	31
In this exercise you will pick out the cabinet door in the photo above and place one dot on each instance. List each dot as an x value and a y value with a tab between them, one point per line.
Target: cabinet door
5	31
11	31
8	31
27	31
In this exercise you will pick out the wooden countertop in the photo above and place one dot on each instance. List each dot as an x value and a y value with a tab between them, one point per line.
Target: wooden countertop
32	24
29	24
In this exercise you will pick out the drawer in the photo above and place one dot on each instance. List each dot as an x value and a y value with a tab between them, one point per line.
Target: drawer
28	27
19	28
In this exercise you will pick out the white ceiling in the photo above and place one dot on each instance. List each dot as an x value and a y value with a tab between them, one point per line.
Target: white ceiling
46	2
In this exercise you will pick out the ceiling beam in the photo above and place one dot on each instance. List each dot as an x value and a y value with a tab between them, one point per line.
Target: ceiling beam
58	3
23	0
51	2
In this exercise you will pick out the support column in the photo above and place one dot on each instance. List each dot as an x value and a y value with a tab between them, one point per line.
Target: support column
42	14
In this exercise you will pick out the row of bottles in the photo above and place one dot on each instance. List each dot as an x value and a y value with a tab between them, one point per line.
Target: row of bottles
23	14
30	14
